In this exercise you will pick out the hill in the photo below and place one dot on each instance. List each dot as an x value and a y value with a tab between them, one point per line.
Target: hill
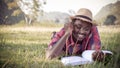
110	9
57	17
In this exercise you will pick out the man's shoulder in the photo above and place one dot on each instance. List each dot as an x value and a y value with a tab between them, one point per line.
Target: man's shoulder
94	29
62	31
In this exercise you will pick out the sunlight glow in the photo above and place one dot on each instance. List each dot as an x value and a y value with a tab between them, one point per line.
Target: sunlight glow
66	5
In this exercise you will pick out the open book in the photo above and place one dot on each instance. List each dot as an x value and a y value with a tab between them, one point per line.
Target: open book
85	58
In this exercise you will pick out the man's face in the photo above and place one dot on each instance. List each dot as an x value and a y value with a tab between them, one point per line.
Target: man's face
81	29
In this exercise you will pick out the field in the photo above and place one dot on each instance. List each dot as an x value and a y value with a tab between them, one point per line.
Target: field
24	46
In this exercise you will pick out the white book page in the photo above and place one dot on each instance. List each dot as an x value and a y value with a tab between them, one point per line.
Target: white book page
74	60
87	54
85	59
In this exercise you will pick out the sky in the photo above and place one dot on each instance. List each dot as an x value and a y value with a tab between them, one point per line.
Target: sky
66	5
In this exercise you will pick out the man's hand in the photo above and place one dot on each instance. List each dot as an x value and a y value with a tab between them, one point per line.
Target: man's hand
98	56
68	28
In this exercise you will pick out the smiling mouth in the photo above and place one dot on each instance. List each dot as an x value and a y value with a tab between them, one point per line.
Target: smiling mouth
81	36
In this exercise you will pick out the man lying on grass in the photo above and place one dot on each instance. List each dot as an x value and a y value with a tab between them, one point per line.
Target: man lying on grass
75	37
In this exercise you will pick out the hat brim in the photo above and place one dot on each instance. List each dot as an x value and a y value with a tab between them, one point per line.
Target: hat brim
80	18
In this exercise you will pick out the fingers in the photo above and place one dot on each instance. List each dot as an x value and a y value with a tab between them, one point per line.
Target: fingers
68	27
98	56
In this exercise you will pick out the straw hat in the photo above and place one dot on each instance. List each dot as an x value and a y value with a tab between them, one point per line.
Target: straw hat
83	14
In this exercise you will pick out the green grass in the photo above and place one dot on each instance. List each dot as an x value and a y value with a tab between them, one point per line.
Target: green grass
39	24
24	47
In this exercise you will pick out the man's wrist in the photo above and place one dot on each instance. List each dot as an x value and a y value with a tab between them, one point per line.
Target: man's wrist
67	34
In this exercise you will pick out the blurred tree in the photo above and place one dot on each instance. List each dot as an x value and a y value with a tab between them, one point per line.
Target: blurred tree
3	11
31	9
110	20
9	12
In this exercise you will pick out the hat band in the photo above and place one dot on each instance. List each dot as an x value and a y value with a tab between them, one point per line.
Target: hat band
83	17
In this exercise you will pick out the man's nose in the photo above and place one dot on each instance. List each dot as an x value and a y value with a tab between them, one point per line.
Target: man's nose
81	31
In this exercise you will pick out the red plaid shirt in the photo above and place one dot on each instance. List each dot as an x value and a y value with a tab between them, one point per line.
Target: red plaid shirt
92	41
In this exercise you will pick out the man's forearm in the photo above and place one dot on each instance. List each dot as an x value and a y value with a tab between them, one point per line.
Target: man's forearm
57	48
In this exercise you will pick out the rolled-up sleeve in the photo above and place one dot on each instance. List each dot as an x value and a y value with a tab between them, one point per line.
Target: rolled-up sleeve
57	36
